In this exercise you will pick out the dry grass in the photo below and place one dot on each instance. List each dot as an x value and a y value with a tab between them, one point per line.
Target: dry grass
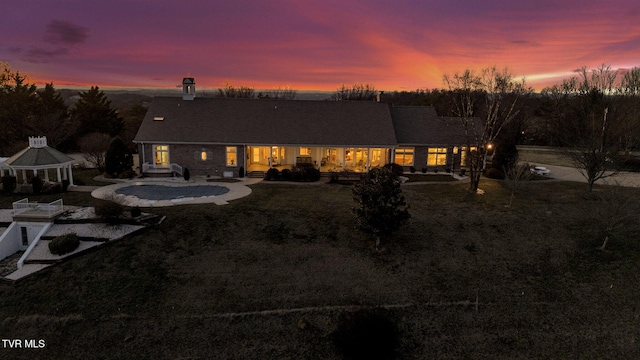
480	280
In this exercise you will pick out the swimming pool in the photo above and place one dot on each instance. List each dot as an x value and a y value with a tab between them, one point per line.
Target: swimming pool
161	192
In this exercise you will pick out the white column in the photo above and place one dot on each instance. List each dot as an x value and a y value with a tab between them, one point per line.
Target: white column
70	176
368	159
58	173
344	158
318	157
24	176
46	175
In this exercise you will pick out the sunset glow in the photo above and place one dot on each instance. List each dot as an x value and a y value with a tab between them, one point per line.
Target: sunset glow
311	45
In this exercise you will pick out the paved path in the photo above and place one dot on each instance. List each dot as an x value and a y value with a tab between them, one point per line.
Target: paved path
563	173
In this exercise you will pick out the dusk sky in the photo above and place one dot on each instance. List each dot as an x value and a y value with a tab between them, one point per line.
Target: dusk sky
311	45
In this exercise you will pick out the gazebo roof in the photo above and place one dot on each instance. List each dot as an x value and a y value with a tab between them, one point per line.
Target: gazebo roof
38	155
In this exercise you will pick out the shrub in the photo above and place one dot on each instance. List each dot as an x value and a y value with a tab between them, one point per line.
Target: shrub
286	174
395	168
64	244
65	185
108	210
127	174
9	183
135	212
412	169
334	176
304	172
493	173
272	174
366	334
424	170
118	160
186	175
36	182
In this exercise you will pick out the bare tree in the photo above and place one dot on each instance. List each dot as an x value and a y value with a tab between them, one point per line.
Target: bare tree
230	91
614	214
484	103
515	175
94	147
285	93
358	91
594	143
629	113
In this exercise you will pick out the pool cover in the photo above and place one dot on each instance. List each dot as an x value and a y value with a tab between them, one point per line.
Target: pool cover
160	192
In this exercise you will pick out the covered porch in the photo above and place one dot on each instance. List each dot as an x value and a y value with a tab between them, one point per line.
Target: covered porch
324	158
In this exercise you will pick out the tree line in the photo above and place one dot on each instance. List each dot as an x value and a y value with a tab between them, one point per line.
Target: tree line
89	125
594	114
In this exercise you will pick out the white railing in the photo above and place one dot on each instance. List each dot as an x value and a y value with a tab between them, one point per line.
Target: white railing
50	209
174	168
177	169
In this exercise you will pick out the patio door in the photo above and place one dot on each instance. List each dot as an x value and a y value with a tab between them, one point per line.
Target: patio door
161	156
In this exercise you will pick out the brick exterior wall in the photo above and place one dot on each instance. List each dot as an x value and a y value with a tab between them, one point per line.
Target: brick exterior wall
189	156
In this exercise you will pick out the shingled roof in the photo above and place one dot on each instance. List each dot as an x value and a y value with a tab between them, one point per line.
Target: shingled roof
267	121
421	125
40	157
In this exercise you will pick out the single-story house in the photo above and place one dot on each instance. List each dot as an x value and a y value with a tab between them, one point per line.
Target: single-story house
234	137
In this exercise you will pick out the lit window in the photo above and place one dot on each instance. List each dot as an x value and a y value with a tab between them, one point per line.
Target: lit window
232	155
158	118
465	154
305	151
203	156
404	156
437	156
161	155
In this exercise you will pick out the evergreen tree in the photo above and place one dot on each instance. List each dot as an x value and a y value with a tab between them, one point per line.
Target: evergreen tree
118	159
382	209
51	117
93	113
17	101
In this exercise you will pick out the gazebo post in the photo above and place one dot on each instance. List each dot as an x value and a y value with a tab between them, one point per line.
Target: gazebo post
24	176
71	175
58	173
46	174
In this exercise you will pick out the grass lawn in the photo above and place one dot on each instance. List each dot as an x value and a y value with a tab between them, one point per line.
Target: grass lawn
466	278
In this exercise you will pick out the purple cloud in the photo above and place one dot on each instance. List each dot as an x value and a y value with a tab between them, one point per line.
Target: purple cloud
65	33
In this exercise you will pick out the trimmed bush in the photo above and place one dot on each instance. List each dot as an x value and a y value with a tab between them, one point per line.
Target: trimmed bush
9	183
135	212
412	169
424	170
366	334
186	175
64	244
395	168
493	173
272	174
36	182
65	185
108	211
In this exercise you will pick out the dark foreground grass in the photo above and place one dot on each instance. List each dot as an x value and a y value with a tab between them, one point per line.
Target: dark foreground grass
466	278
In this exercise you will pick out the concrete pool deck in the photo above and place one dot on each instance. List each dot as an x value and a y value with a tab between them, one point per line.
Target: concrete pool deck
236	190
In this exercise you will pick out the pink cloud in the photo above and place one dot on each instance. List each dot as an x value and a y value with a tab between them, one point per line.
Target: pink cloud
401	45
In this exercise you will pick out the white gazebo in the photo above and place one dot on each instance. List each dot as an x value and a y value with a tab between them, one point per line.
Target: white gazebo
39	157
